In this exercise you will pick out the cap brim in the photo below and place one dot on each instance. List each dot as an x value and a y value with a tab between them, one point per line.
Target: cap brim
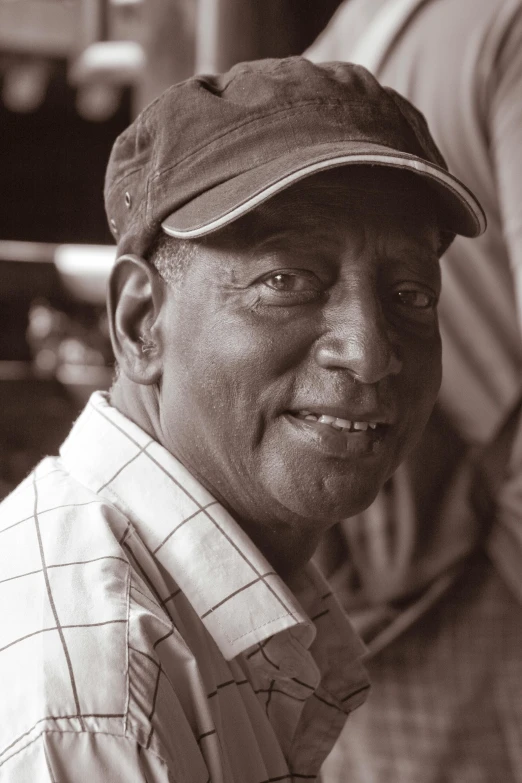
459	210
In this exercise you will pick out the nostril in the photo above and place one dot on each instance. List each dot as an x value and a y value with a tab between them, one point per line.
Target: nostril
366	361
375	369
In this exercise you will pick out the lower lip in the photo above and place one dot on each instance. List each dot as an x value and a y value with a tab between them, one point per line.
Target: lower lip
339	443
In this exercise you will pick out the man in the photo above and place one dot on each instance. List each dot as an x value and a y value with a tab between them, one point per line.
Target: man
440	566
273	315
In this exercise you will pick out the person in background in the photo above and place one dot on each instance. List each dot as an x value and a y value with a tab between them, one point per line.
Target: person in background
273	313
431	573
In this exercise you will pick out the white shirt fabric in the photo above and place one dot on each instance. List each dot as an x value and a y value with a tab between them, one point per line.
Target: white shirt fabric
143	637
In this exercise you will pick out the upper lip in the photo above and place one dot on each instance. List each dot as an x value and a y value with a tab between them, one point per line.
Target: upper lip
372	416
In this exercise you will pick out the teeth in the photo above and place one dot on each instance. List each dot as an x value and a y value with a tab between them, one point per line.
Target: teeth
338	424
327	420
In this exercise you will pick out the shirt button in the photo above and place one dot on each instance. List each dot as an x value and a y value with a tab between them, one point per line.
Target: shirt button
289	667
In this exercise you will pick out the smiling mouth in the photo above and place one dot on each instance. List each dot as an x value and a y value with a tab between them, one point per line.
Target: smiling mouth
336	423
340	437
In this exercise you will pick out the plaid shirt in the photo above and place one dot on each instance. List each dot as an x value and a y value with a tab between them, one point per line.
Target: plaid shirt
144	638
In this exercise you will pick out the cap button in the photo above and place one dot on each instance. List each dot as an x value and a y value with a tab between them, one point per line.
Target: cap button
128	200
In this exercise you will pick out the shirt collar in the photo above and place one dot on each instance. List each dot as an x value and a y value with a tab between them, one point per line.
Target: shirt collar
233	589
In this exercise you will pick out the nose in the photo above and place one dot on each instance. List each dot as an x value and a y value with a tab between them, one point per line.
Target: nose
359	340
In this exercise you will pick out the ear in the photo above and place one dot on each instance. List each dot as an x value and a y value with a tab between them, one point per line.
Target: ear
136	293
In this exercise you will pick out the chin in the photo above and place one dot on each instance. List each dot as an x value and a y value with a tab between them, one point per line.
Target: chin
356	502
328	502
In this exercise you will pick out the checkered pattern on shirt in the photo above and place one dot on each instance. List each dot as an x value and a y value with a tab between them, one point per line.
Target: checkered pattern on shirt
446	696
142	631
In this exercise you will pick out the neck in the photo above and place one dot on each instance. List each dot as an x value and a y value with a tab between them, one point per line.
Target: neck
287	547
137	403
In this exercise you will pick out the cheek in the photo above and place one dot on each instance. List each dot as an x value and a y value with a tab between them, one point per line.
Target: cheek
252	354
420	381
218	379
418	389
430	365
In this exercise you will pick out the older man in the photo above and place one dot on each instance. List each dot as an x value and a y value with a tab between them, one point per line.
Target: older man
273	314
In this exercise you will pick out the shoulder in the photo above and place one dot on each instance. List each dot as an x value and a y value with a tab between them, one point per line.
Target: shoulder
81	629
63	610
479	25
342	33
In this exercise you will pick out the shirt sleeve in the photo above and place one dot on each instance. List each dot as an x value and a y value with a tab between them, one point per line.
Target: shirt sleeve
58	757
505	125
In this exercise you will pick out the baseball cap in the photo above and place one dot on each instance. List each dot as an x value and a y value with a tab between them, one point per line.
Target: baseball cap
214	147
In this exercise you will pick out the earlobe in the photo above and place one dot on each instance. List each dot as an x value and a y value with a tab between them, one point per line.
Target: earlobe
134	302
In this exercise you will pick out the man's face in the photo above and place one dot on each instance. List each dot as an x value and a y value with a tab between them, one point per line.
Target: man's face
302	352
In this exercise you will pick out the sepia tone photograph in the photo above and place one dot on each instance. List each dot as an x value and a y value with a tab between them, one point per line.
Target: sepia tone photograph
261	391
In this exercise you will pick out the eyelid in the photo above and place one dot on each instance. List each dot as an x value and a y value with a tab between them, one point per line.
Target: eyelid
416	285
293	271
308	288
317	283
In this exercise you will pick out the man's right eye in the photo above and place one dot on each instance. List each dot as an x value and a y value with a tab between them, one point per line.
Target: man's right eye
287	287
292	282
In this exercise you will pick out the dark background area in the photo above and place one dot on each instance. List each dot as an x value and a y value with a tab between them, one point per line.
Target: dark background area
52	164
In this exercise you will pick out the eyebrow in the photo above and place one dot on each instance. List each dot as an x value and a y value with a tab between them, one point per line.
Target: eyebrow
431	261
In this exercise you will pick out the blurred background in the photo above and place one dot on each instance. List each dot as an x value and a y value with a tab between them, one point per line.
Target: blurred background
430	573
73	74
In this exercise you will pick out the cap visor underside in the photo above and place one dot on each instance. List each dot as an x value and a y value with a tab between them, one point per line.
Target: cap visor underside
461	212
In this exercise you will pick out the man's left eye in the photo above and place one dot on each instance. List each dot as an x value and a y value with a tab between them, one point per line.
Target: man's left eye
420	300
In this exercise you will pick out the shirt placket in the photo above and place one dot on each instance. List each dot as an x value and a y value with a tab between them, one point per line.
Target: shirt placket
285	676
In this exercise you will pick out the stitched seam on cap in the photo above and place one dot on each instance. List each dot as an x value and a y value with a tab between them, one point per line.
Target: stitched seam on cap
140	125
253	168
122	179
382	153
147	206
160	174
425	174
251	120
